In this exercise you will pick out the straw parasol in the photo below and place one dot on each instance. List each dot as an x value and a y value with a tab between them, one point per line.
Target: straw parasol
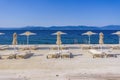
101	36
117	33
58	42
14	42
2	33
89	33
28	33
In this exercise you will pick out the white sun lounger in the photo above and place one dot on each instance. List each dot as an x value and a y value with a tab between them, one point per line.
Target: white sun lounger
53	54
110	54
65	54
96	53
6	55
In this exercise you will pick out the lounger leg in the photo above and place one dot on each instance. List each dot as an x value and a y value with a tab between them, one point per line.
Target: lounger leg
115	56
61	57
47	57
93	56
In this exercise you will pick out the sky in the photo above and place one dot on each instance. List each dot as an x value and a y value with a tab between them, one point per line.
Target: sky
20	13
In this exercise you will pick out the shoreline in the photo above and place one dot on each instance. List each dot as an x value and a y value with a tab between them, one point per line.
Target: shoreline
66	45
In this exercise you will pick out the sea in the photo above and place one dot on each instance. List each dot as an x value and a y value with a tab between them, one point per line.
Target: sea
46	37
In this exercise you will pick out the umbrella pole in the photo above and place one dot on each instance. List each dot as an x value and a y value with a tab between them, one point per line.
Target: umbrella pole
119	39
14	50
27	40
59	48
89	39
101	47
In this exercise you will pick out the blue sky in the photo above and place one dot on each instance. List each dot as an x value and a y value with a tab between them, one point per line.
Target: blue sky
19	13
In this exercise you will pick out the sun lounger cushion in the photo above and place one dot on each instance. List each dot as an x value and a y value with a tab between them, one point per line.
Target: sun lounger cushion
53	54
96	53
24	56
65	54
110	54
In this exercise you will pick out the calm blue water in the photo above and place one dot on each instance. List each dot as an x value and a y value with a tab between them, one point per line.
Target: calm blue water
45	37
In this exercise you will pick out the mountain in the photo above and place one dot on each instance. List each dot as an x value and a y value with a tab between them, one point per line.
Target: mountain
33	28
73	28
109	27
